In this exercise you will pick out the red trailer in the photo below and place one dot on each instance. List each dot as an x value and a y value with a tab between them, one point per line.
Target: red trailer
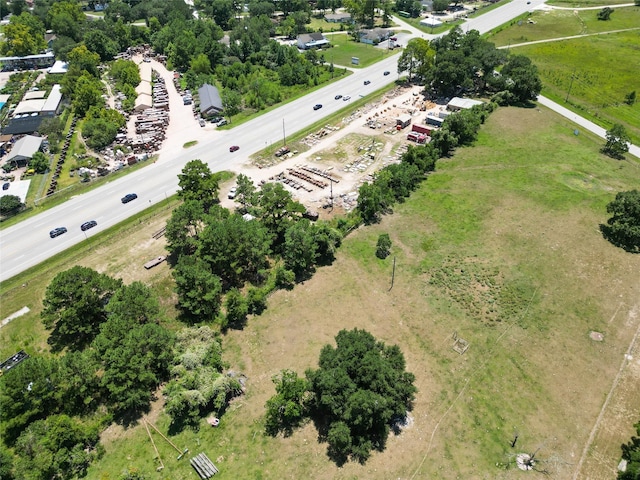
421	129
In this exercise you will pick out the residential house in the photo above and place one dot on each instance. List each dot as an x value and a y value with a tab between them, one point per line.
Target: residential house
311	40
338	17
375	35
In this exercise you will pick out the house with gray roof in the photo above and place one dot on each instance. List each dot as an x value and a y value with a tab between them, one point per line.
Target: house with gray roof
338	17
374	36
210	101
311	40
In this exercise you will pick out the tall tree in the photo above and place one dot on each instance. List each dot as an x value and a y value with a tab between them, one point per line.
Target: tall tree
278	209
617	142
235	249
359	389
197	182
623	228
286	410
417	58
57	447
199	290
27	394
74	306
523	80
10	205
23	35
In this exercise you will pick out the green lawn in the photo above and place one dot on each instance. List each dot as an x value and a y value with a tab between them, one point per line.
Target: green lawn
562	23
595	72
344	48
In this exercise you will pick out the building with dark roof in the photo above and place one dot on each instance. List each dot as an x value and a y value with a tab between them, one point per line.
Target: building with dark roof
210	101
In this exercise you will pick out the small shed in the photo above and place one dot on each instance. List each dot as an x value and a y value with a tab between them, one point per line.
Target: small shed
430	22
210	101
59	67
433	120
403	120
24	149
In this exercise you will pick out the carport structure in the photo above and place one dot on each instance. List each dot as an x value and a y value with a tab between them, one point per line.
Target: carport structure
23	150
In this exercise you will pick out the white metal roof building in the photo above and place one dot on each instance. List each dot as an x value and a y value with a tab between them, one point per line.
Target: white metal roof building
52	103
29	106
458	103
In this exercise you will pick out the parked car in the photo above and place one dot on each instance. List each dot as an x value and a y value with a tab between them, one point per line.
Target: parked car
232	193
5	186
386	72
221	122
395	39
367	82
56	232
345	98
317	106
338	97
87	225
234	148
128	197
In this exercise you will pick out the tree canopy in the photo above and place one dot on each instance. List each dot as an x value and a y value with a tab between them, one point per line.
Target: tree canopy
74	306
623	228
617	142
360	388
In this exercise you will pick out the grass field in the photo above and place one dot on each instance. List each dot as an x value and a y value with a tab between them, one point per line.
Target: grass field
500	246
594	73
344	48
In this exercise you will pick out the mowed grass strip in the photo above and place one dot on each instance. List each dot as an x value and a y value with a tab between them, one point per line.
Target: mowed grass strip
548	24
499	247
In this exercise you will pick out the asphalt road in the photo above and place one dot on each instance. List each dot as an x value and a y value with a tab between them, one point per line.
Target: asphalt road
27	243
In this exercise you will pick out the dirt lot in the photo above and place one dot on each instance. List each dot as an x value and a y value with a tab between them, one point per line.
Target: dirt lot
349	151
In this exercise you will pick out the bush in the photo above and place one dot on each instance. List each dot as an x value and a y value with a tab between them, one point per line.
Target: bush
383	248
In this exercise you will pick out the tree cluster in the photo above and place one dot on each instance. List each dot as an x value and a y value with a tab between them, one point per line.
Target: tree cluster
623	228
216	253
115	355
355	397
467	63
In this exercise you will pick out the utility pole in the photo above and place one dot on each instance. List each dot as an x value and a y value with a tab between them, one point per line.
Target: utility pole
570	85
284	135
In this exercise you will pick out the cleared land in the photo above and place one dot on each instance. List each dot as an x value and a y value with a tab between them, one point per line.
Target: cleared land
500	246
